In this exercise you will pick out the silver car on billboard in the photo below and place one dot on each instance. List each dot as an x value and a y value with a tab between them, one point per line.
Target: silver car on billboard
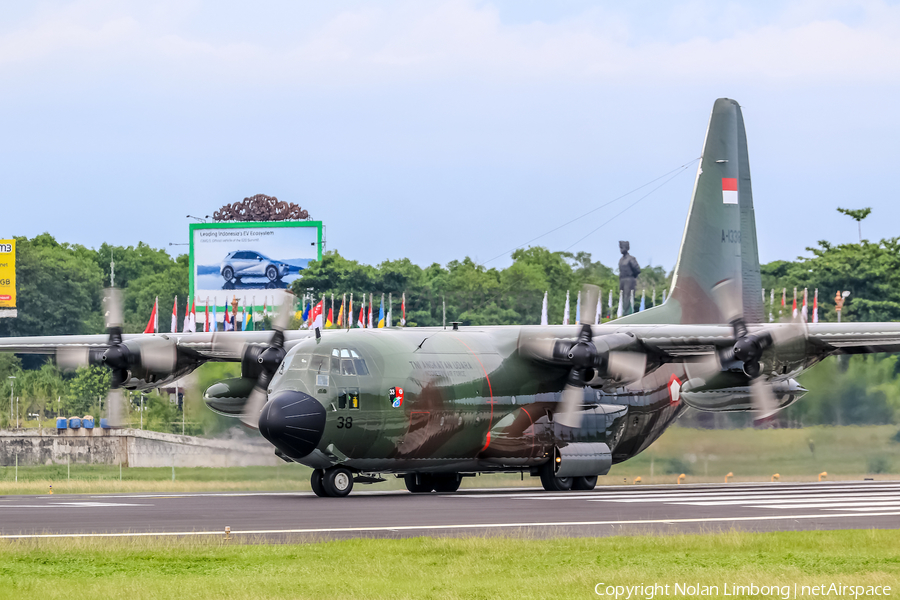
247	263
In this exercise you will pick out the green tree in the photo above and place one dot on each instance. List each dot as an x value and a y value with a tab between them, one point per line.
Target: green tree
857	215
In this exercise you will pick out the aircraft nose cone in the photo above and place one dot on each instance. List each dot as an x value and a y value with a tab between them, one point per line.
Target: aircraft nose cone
293	422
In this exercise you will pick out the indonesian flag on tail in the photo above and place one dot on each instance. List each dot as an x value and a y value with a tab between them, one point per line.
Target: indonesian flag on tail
151	324
729	190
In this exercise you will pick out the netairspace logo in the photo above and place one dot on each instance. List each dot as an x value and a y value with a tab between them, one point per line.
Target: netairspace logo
693	590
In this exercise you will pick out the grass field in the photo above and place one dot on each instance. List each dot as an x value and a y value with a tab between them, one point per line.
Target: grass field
703	455
469	568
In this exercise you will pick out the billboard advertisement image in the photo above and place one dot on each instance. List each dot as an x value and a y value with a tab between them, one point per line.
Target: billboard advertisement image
236	259
7	278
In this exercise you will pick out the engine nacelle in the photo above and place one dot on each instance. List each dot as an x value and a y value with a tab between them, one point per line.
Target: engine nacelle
228	397
739	398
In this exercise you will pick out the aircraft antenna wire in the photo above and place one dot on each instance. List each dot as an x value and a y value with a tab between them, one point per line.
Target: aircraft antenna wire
676	171
681	170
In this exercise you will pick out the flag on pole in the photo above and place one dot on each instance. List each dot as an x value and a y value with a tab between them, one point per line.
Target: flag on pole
577	318
371	323
151	324
215	319
783	300
306	308
329	322
226	322
642	301
566	310
654	297
621	297
360	322
390	309
632	302
544	318
381	313
186	324
599	314
403	311
173	328
794	313
206	317
250	317
244	318
317	314
350	312
771	305
340	321
193	315
805	307
610	305
816	306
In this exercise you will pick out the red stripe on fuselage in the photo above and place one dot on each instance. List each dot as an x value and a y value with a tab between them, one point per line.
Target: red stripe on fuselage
490	391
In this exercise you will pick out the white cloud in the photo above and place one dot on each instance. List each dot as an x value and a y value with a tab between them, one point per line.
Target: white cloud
416	42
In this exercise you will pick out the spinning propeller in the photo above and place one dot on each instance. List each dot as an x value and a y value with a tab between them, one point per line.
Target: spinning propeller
603	358
156	355
261	362
748	349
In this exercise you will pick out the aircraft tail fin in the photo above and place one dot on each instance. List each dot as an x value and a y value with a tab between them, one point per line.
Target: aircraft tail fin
719	240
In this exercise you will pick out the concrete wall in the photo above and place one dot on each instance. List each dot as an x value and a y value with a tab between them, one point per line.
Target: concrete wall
130	447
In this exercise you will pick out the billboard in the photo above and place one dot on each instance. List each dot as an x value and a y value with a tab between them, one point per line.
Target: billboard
249	260
8	278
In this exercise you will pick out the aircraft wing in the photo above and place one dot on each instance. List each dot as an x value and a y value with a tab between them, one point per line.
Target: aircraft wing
221	346
675	342
855	338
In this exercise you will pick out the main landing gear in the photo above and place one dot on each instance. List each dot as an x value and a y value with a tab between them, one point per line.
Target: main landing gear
335	482
552	483
422	483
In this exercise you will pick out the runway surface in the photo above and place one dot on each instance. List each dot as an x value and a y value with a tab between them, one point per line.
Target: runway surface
528	511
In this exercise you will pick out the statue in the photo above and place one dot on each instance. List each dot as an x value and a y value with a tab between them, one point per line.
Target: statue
628	272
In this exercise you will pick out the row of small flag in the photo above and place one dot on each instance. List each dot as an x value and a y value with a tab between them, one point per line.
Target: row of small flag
802	312
230	322
598	314
312	314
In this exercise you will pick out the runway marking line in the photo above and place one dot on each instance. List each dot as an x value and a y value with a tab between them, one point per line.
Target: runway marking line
447	527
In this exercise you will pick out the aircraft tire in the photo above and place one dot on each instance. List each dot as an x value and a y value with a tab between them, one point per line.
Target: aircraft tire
424	485
315	482
551	482
446	484
584	484
337	482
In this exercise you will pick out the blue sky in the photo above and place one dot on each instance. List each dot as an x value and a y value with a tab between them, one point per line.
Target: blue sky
436	130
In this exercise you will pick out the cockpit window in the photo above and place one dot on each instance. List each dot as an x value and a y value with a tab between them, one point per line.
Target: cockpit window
359	363
319	364
300	362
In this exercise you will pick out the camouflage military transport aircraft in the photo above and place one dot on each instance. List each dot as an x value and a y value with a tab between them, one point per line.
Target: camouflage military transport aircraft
560	402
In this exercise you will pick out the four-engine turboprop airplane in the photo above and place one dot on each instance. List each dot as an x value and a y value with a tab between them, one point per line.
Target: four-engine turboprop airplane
560	402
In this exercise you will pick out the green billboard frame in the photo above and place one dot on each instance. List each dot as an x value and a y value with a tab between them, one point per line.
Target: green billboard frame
246	225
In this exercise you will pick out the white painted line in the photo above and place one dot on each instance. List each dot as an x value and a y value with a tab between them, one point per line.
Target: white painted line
64	505
837	505
784	499
398	528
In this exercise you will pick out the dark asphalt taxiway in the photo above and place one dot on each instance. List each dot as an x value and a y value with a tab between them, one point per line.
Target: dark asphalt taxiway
528	511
